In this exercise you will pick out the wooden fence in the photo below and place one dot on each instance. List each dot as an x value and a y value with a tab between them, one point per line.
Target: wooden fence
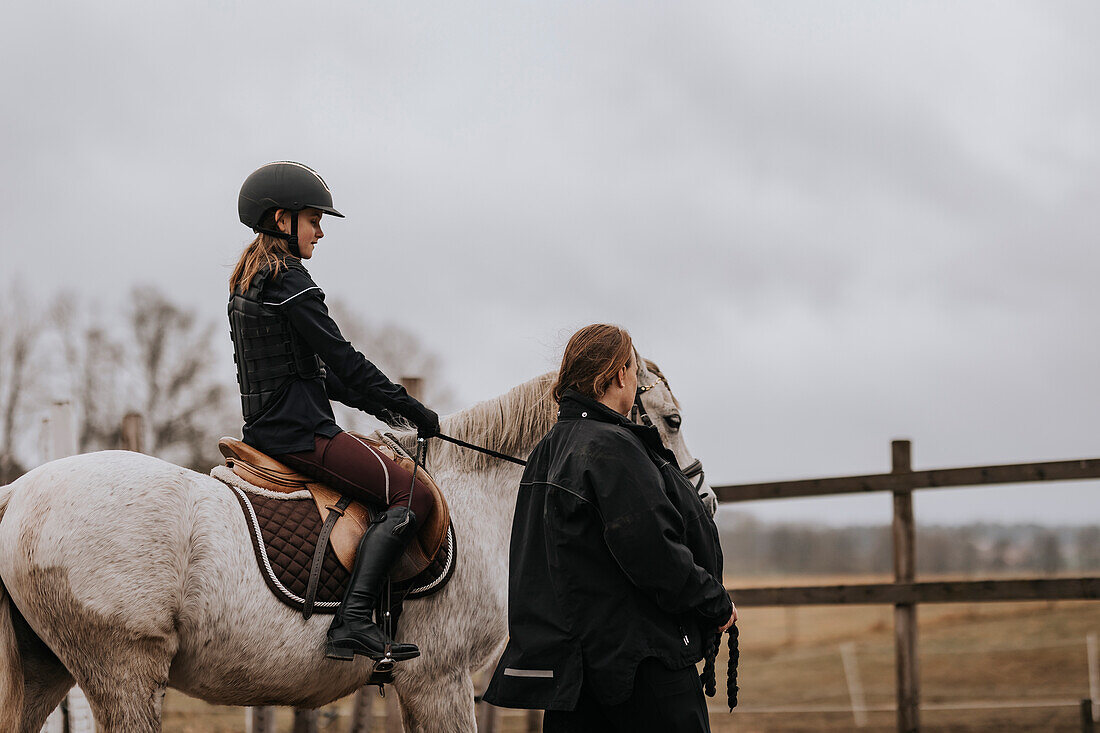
905	593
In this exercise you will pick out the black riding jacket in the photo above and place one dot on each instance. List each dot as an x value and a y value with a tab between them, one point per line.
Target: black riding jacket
292	359
613	559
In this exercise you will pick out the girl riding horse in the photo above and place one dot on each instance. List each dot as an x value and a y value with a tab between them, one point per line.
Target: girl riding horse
291	360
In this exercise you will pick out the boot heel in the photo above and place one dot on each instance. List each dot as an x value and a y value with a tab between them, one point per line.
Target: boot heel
343	653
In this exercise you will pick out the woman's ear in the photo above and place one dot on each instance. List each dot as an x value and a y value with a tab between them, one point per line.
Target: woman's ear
279	220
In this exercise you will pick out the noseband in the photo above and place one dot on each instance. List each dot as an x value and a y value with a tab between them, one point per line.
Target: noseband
638	414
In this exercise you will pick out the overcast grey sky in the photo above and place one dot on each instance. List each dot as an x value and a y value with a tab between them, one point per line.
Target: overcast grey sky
832	224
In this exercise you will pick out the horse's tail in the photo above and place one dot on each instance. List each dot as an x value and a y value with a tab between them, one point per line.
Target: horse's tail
11	662
11	668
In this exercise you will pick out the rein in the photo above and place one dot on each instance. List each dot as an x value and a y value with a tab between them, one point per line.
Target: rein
479	449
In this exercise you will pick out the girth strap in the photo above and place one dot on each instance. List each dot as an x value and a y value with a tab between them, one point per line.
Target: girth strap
334	513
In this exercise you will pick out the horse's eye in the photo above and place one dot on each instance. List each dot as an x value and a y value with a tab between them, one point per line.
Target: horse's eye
673	422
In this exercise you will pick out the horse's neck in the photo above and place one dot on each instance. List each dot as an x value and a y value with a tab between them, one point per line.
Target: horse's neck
511	424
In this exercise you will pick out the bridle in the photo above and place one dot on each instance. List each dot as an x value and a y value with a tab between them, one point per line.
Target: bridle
638	414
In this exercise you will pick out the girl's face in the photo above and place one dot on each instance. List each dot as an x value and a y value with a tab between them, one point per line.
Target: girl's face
309	229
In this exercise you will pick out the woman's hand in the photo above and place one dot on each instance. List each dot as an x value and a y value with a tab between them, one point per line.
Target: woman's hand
733	617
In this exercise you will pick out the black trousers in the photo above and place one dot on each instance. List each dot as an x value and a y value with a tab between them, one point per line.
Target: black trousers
664	701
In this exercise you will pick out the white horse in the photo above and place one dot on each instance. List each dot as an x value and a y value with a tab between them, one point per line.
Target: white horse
128	575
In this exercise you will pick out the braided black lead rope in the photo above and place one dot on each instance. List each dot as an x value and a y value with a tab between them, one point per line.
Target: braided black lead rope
731	668
710	653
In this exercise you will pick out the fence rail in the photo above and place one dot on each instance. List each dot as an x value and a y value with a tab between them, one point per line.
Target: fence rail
964	591
940	478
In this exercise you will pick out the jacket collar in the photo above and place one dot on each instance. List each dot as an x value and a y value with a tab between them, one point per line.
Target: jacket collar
575	406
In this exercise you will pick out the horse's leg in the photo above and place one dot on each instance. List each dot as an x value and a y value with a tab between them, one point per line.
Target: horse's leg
125	685
45	679
444	703
120	662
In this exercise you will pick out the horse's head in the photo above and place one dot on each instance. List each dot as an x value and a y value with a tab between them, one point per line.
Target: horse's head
655	405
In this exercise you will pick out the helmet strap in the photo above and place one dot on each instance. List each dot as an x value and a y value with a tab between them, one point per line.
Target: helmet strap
292	241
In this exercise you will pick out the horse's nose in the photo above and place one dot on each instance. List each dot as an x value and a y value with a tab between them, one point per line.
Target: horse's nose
708	497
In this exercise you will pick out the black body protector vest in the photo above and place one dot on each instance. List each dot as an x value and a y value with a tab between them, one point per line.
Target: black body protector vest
268	353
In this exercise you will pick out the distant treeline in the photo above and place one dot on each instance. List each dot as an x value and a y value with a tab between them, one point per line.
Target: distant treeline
752	547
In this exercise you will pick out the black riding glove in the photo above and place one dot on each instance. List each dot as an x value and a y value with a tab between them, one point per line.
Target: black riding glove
427	423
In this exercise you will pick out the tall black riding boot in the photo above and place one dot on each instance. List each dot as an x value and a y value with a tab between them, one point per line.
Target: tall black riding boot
353	631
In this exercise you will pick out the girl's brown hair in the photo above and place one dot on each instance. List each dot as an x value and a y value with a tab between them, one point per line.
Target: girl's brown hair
593	356
265	251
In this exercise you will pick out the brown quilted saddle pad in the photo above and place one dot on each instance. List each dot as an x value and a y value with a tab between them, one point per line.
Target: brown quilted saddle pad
285	513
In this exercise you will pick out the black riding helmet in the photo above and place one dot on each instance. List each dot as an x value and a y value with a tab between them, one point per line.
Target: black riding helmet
283	184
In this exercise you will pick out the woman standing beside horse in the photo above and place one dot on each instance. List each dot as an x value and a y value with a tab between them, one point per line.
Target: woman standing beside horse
615	568
291	360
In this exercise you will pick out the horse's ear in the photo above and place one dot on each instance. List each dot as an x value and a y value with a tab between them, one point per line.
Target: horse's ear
643	372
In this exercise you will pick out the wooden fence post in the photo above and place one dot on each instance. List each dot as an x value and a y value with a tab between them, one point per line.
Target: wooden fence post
905	614
259	720
393	713
361	713
305	721
132	432
59	436
414	386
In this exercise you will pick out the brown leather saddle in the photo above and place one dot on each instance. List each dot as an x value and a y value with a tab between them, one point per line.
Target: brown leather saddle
335	528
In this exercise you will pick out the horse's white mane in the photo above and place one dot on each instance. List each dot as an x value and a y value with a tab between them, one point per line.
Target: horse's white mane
511	423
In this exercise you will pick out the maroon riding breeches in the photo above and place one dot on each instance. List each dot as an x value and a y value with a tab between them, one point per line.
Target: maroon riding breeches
353	467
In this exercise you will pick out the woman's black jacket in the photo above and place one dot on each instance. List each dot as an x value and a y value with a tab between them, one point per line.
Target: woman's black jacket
291	306
613	559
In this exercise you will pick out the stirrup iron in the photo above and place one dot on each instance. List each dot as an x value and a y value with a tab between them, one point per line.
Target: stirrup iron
384	665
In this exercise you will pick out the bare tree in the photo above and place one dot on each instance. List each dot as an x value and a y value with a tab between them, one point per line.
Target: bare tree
93	365
186	402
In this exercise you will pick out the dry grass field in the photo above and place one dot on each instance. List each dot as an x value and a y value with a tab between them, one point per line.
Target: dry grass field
984	667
